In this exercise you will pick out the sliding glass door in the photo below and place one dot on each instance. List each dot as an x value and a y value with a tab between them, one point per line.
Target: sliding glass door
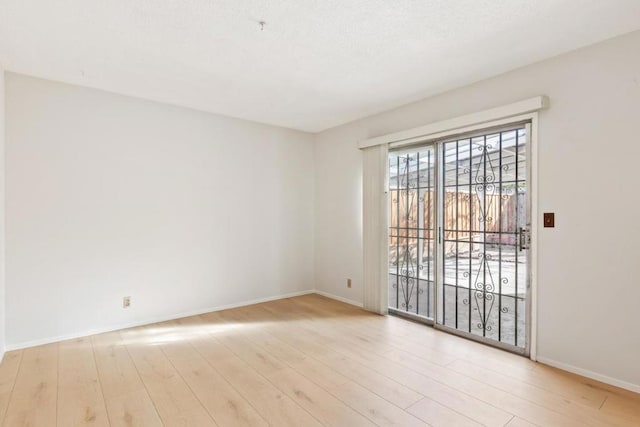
458	236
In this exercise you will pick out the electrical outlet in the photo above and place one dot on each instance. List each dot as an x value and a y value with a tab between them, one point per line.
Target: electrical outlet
348	283
126	302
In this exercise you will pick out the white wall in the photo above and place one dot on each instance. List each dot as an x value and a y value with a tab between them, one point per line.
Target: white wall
2	215
588	163
110	196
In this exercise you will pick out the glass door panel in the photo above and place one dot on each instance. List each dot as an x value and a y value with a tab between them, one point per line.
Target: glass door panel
412	250
484	229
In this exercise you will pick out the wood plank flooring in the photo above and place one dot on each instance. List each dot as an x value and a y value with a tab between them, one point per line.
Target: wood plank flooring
304	361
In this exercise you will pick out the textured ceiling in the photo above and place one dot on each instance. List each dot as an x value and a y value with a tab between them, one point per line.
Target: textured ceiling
317	64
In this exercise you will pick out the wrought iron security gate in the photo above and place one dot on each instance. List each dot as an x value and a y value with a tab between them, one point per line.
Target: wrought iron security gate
412	249
459	219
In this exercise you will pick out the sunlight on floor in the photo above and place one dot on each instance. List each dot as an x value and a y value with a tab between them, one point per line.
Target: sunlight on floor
162	334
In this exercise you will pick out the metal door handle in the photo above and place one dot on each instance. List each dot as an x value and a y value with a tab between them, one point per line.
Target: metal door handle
525	238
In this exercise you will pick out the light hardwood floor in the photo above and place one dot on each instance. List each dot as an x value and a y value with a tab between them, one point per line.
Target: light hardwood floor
304	361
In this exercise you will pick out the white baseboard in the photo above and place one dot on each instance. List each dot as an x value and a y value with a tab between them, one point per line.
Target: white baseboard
590	374
118	327
337	298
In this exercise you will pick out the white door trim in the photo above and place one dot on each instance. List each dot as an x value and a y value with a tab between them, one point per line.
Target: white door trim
533	183
455	125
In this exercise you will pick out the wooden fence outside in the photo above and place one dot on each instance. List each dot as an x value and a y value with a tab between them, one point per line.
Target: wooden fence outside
500	216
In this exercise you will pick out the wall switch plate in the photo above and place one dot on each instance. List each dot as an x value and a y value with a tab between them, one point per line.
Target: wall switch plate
549	219
348	283
126	302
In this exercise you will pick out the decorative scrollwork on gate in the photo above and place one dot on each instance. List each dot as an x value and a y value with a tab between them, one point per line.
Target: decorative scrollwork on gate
407	198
